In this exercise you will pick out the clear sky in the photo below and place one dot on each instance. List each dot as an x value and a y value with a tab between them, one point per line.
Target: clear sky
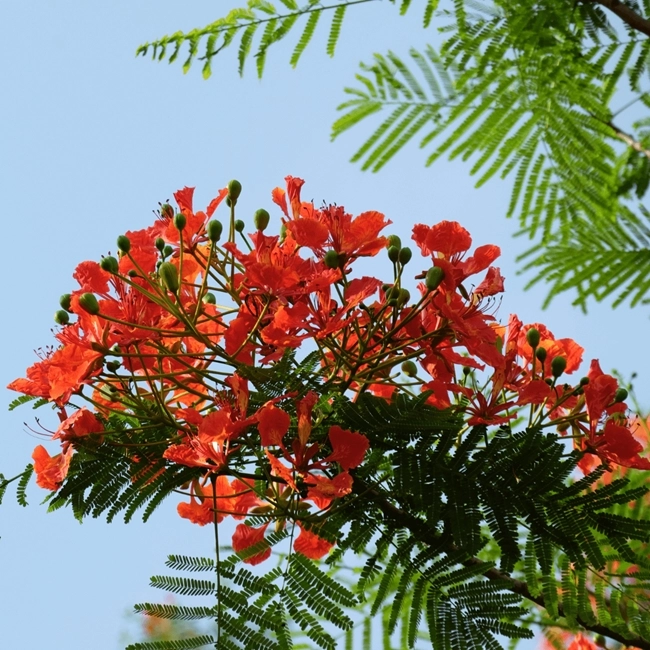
91	138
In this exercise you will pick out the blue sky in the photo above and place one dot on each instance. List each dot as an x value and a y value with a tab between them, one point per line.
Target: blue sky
91	138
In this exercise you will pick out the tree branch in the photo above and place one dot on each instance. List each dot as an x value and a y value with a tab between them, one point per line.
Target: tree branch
626	14
430	537
629	140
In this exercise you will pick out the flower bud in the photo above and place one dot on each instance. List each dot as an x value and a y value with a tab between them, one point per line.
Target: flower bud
110	265
160	243
393	254
210	299
558	366
61	317
435	275
331	259
112	366
124	243
532	336
234	190
409	368
393	294
167	251
394	240
132	273
541	353
215	228
403	297
180	221
584	381
261	219
466	370
65	300
169	275
405	256
239	225
88	302
620	395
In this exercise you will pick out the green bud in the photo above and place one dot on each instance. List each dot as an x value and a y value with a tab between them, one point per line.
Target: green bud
393	254
331	259
532	336
409	368
215	228
167	251
394	240
584	381
169	275
61	317
404	297
466	370
549	381
435	275
541	353
228	202
210	299
234	190
89	303
405	256
132	273
261	219
239	225
65	300
558	365
123	243
110	265
393	294
112	366
620	395
160	243
180	221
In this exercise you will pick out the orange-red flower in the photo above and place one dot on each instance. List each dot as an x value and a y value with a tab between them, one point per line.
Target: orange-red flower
249	537
81	423
311	545
51	470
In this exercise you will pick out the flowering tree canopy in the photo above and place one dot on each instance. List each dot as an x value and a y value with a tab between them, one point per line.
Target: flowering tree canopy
486	485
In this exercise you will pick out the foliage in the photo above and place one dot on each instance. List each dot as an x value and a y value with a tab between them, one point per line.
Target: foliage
260	378
524	90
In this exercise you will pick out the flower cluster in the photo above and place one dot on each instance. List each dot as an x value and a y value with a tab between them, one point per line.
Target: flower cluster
172	331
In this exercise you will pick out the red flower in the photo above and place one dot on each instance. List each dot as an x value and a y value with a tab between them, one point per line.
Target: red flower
566	348
248	537
616	444
272	424
51	470
582	643
311	545
451	241
198	512
324	490
599	394
91	277
349	448
81	423
58	376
